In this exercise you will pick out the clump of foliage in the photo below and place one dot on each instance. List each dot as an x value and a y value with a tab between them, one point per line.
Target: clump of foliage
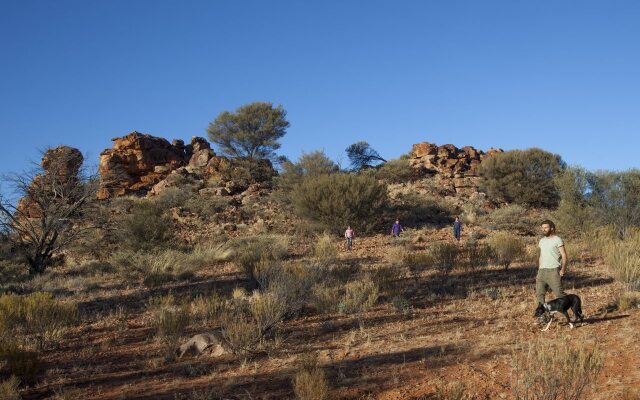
310	382
525	177
506	248
362	156
332	202
311	164
145	227
251	131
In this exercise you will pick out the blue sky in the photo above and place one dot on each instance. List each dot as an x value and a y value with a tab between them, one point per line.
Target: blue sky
561	75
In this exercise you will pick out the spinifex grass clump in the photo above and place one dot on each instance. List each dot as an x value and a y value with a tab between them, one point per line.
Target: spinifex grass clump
38	315
506	248
554	370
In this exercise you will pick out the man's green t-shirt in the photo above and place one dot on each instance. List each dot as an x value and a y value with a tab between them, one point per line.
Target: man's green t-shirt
550	256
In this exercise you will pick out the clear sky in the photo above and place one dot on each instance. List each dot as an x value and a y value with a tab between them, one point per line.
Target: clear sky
561	75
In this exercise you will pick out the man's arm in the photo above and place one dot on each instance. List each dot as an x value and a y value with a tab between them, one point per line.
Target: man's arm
563	253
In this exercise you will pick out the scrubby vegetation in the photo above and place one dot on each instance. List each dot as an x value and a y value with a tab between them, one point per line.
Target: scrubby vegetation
525	177
263	266
334	201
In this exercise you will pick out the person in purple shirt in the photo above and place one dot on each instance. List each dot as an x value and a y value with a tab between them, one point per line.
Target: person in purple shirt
396	229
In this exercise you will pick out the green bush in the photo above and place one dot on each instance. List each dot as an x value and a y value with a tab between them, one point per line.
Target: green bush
250	251
172	197
325	298
476	255
525	177
359	296
512	217
315	163
325	248
417	209
169	320
506	248
575	214
334	201
623	259
145	228
310	382
396	171
38	314
207	207
445	256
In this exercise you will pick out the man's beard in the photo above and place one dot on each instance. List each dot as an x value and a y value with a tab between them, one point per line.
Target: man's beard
549	233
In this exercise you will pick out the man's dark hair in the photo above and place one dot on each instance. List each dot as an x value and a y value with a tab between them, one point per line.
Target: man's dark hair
550	223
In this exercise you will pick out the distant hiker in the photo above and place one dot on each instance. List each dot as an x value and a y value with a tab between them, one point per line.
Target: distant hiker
348	234
552	264
396	229
457	229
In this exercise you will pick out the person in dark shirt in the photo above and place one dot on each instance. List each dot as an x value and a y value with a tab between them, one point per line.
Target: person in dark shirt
396	229
457	229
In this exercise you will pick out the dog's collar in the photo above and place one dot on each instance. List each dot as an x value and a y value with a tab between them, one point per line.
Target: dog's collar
546	306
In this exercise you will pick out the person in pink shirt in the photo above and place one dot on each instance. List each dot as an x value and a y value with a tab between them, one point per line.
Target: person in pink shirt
349	234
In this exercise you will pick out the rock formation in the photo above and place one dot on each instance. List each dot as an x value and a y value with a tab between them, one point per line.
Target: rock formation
457	169
60	167
141	164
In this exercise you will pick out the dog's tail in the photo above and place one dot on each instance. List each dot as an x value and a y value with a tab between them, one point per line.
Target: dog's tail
577	309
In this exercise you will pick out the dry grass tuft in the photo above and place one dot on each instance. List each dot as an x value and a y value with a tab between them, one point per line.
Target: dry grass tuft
563	370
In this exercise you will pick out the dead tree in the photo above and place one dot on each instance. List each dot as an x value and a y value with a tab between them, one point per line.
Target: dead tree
45	210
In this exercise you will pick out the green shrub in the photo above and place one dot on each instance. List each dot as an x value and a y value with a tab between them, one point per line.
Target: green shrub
241	332
310	382
169	320
506	248
39	314
525	177
172	197
512	217
570	370
325	299
401	303
359	296
574	215
315	163
396	171
248	252
325	248
145	228
209	309
9	389
445	256
475	255
417	209
267	309
623	259
207	207
334	201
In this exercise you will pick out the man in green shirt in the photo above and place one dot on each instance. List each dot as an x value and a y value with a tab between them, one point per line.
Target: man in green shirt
553	262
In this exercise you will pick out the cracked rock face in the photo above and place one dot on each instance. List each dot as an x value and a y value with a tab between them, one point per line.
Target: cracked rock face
137	162
59	165
456	167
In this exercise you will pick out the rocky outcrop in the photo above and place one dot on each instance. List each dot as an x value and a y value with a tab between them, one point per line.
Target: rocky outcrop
144	164
456	168
60	166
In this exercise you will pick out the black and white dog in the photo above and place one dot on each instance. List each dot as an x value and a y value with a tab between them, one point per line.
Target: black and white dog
561	305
